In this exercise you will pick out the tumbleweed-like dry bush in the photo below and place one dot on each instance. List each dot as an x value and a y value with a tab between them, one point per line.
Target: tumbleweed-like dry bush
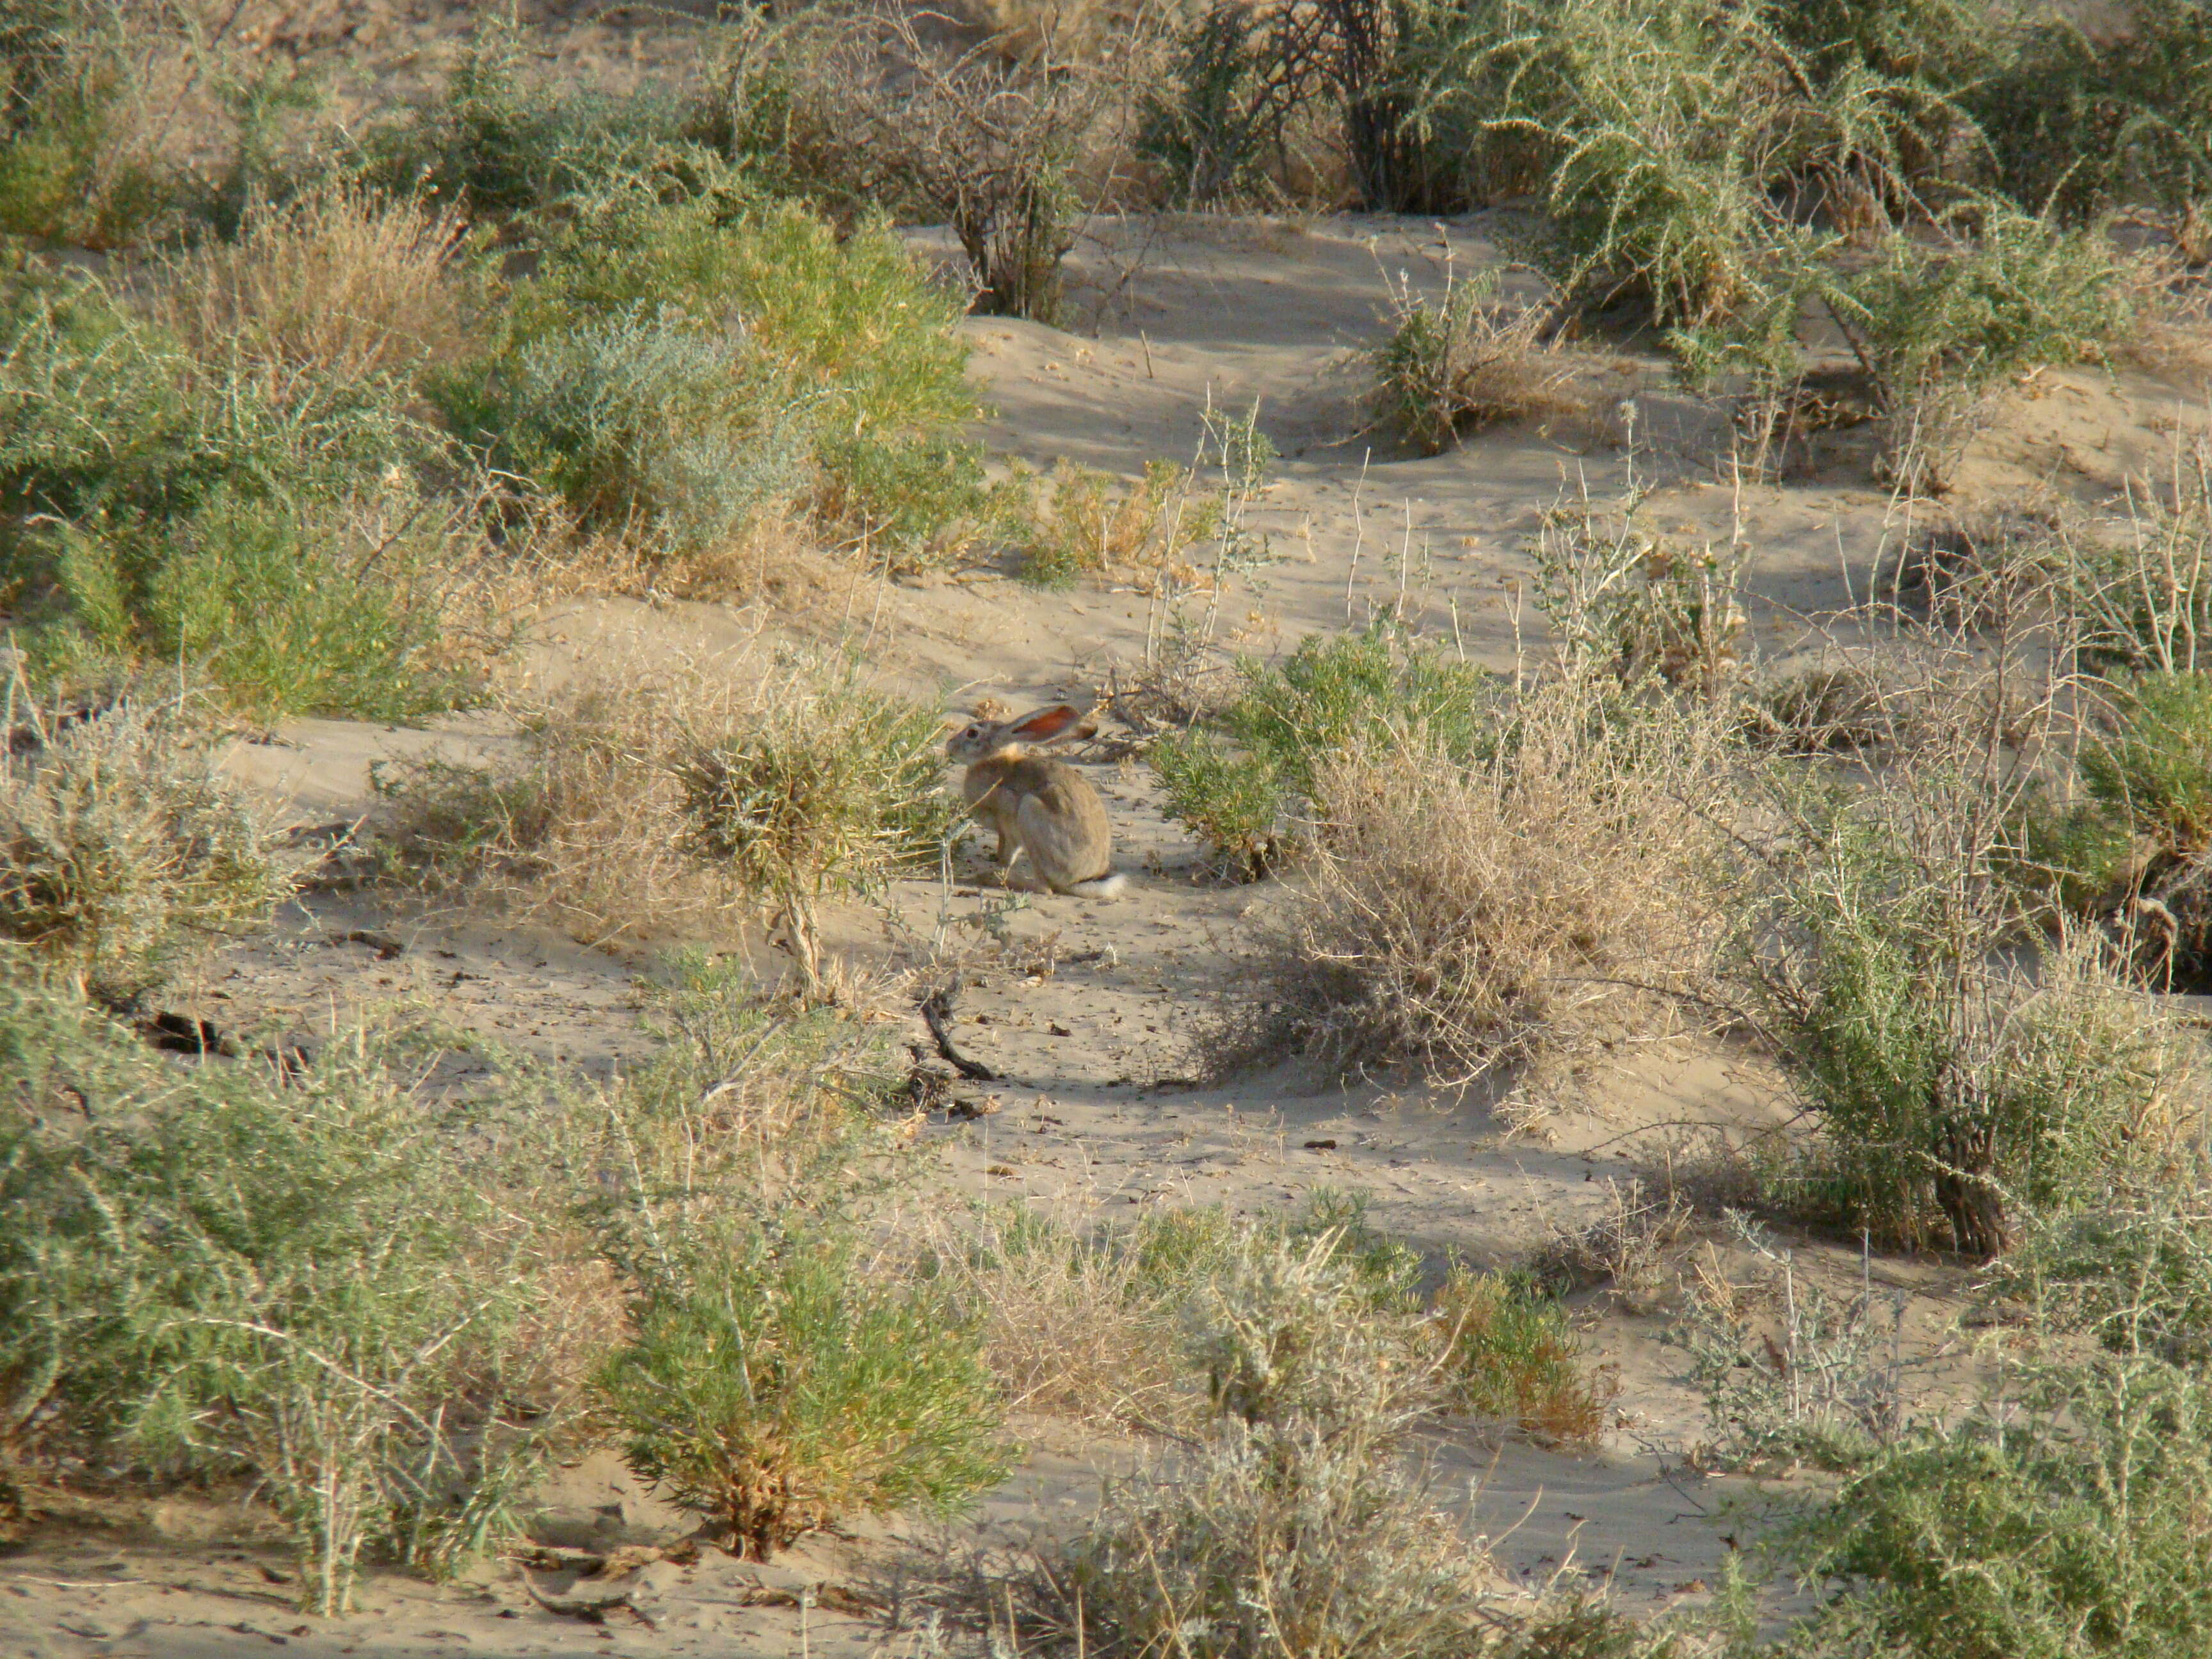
774	781
339	282
1476	919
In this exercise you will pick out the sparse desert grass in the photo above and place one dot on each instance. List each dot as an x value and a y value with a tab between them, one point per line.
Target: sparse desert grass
1081	525
1475	917
1793	1373
660	797
1625	1248
122	849
338	282
1465	362
1291	1526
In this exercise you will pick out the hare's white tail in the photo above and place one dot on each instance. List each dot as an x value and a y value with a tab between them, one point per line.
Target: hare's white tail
1104	887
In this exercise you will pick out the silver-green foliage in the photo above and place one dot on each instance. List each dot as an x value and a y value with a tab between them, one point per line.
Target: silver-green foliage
122	848
2064	1520
309	1281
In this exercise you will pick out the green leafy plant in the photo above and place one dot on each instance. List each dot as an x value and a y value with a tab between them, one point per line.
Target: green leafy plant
778	1387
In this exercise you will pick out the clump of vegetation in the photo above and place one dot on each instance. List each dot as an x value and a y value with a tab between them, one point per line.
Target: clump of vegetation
493	142
1947	1082
776	1386
1293	1526
676	366
1941	329
824	791
320	1283
1510	1354
1243	780
122	849
2134	1270
2061	1519
654	796
81	84
1477	916
1461	365
1082	525
338	282
779	1374
1794	1373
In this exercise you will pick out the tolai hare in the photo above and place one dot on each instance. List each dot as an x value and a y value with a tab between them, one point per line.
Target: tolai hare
1044	812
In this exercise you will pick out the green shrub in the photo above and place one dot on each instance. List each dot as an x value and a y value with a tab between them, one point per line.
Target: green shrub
122	849
2134	1270
327	608
494	141
2085	125
1243	787
1666	139
676	365
2151	764
76	161
780	1376
99	411
1939	328
2063	1522
319	1283
779	1386
1948	1080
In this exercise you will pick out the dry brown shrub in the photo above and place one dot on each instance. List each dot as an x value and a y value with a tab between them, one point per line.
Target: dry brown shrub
671	799
1071	1324
1626	1247
1012	155
1469	361
1475	920
341	283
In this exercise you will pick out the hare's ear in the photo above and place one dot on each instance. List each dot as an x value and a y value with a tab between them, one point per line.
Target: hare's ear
1042	725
